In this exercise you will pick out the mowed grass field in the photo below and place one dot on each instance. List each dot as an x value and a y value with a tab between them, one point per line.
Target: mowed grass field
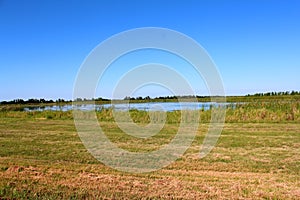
43	158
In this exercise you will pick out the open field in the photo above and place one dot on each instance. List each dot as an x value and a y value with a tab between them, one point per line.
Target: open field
256	157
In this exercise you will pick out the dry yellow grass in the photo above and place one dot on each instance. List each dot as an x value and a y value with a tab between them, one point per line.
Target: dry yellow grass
44	159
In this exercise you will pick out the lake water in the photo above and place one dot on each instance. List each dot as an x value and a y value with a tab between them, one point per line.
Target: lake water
152	106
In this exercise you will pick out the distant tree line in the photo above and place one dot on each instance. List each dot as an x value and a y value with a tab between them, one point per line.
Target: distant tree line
32	101
163	97
275	93
39	101
149	98
93	99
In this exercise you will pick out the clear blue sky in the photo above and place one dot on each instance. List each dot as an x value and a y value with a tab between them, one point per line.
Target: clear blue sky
254	43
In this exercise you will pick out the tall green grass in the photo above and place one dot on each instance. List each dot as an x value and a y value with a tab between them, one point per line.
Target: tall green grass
276	111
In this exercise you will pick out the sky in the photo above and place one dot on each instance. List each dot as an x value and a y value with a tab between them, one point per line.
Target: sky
255	44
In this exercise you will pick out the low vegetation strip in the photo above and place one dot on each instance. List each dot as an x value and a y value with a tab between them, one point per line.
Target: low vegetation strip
275	111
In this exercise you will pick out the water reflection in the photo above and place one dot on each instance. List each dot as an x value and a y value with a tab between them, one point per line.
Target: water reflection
153	106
